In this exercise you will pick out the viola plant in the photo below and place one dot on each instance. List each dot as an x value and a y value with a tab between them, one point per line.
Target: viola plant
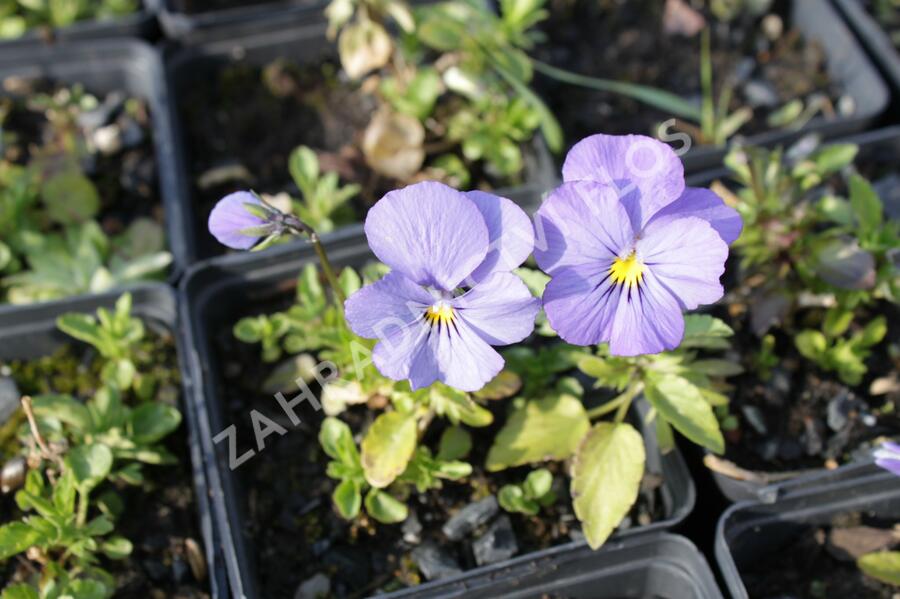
884	566
815	264
79	456
627	247
61	230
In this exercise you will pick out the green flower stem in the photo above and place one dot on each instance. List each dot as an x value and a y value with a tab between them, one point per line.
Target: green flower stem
657	98
329	273
619	404
81	515
708	116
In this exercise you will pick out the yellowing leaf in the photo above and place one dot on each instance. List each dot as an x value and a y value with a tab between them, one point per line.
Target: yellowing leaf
388	447
881	565
548	429
606	478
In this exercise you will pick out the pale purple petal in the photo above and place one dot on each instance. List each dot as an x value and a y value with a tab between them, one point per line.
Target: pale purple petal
455	356
640	167
705	204
430	232
580	302
580	222
229	217
891	465
510	233
687	257
648	320
396	351
500	309
388	303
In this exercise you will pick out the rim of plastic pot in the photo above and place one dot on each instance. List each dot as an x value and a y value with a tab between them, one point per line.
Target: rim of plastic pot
871	143
136	68
847	65
204	293
31	332
140	24
660	565
874	38
305	42
191	28
748	528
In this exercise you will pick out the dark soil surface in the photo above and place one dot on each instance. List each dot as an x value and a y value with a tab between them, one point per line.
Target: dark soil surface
242	122
126	179
626	41
295	532
160	516
809	565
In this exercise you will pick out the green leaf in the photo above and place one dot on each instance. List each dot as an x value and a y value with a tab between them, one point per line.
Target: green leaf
387	448
152	421
538	483
683	406
455	443
385	508
506	384
811	344
64	493
837	320
716	367
665	437
705	331
347	499
512	499
99	526
21	590
64	408
834	157
304	168
90	464
337	442
547	429
881	565
15	538
116	547
606	478
70	197
865	203
873	332
82	327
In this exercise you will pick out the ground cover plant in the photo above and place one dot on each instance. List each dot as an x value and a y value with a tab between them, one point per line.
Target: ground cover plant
96	480
79	208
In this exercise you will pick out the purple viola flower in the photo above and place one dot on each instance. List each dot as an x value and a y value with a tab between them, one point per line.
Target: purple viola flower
628	246
450	294
888	457
233	225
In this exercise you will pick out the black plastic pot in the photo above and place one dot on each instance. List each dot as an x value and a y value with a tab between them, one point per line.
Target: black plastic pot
307	44
30	332
216	292
750	531
658	566
873	37
194	27
847	65
141	24
879	146
135	68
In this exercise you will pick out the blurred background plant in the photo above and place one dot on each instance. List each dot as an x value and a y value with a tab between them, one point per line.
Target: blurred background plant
17	17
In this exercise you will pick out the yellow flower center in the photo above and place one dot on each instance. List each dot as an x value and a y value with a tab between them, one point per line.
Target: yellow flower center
629	271
439	313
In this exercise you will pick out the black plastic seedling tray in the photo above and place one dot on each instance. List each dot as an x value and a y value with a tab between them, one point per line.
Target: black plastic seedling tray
134	67
192	27
750	531
213	294
874	38
652	566
305	43
30	332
